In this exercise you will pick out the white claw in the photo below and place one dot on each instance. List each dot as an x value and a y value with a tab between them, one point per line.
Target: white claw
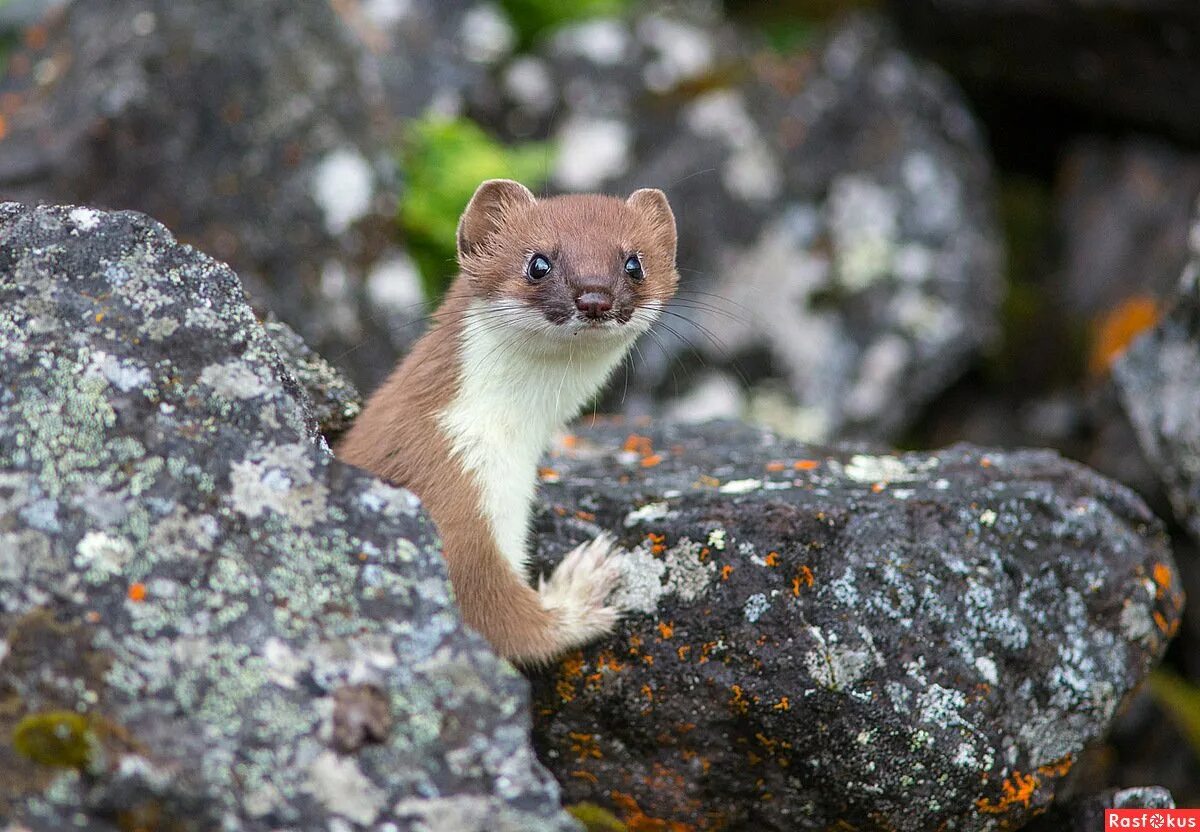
579	588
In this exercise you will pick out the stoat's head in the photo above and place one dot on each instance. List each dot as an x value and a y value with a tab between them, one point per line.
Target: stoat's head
579	265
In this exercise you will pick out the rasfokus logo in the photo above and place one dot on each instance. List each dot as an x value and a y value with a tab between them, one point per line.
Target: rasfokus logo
1151	819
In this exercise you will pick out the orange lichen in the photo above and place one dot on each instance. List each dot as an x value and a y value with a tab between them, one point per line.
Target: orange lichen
137	592
1161	622
570	441
1057	768
585	775
565	690
651	460
682	652
548	475
705	649
986	462
658	543
772	559
585	746
877	487
775	466
648	692
608	661
707	481
782	704
738	701
1162	579
1017	790
638	821
586	516
648	659
726	571
1114	332
572	665
806	464
806	575
92	617
666	630
641	445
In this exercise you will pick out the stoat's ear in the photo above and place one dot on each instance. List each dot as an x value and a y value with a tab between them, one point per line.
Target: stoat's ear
486	212
652	204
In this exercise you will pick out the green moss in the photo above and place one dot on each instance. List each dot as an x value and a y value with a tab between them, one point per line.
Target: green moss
55	738
534	18
1181	700
444	161
596	818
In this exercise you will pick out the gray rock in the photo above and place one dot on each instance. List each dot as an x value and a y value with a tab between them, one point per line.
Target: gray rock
1159	382
1123	62
912	642
1087	815
834	209
209	623
1125	211
333	400
255	131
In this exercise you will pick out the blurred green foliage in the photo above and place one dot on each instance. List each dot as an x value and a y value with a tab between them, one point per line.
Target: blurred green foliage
444	160
596	818
1181	700
534	18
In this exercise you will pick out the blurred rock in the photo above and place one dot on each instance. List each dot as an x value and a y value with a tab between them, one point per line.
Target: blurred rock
823	639
1159	381
1123	62
1088	815
834	208
250	129
200	608
1125	209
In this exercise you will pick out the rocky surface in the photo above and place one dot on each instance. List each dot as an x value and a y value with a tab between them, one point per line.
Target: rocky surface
254	130
1159	382
834	210
207	622
1087	815
887	642
1125	210
1129	62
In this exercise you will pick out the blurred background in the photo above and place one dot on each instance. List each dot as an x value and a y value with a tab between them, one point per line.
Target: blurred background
903	223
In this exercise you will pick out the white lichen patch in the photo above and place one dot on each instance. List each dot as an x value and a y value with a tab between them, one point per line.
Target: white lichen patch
343	185
486	34
591	151
886	468
101	556
649	513
85	219
833	666
988	517
234	379
641	584
394	285
123	375
755	606
278	478
740	486
646	579
716	539
342	788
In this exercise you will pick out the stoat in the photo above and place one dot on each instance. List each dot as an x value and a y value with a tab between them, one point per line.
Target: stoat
550	295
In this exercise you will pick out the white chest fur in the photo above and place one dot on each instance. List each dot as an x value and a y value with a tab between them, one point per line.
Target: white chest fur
520	382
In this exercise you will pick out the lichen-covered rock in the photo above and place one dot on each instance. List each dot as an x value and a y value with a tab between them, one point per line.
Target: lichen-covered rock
822	639
1087	815
333	400
206	622
254	130
834	210
1159	381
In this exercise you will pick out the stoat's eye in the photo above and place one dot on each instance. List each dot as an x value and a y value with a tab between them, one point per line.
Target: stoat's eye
633	267
539	267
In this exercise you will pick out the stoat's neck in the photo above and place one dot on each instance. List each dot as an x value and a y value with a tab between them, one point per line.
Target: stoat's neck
516	390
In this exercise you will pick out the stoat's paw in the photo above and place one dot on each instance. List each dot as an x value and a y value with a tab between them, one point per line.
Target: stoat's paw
579	588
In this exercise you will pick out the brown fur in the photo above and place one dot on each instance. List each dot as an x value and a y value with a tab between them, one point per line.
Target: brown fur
398	436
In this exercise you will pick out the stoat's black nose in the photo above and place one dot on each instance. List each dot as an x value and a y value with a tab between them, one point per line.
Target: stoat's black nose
594	303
